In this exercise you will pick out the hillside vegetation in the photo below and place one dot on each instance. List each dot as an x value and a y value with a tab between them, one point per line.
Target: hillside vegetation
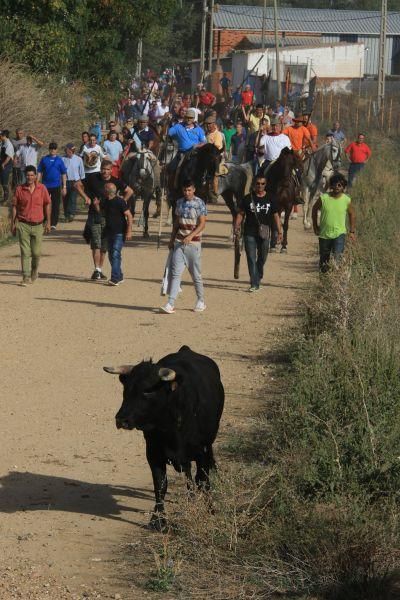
310	506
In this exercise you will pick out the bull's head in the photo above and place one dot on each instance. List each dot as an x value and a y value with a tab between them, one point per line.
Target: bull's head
147	387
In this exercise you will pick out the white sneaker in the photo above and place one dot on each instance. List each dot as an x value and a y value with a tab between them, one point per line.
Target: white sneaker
168	308
200	306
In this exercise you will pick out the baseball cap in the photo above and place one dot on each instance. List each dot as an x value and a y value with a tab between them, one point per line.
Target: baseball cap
191	113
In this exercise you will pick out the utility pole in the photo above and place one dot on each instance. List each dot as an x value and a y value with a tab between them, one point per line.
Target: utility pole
382	56
263	26
210	47
278	70
139	58
203	41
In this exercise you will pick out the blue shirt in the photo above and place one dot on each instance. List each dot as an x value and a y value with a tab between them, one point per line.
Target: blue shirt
52	167
186	136
96	129
337	135
75	168
113	149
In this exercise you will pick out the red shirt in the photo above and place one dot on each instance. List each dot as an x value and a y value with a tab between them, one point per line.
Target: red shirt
30	206
358	153
247	98
206	98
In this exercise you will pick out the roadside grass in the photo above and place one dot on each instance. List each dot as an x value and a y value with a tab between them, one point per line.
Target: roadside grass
308	504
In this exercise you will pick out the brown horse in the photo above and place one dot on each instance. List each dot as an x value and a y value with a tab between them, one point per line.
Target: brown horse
282	182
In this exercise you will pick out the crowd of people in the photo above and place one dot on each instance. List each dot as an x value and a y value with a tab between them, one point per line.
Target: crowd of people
242	129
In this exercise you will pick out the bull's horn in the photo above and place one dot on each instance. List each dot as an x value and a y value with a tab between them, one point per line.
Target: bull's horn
167	374
122	370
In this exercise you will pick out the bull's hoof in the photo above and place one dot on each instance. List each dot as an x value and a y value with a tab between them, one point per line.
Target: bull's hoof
146	234
283	250
158	522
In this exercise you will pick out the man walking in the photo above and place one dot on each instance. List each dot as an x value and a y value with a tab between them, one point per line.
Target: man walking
332	230
26	156
358	153
189	223
17	143
6	162
75	173
260	211
53	173
118	229
31	207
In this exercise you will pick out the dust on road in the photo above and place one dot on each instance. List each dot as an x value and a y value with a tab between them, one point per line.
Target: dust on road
73	489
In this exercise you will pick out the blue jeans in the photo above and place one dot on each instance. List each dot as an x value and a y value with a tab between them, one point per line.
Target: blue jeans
354	170
256	253
115	245
186	255
327	248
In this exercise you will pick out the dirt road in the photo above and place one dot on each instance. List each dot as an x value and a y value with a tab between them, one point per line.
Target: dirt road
72	487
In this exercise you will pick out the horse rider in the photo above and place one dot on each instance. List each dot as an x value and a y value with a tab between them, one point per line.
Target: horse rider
312	128
143	135
215	137
274	142
188	136
299	135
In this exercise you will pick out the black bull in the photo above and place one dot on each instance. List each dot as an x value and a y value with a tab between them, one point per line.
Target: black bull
177	403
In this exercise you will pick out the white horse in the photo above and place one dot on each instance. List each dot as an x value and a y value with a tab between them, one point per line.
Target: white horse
318	168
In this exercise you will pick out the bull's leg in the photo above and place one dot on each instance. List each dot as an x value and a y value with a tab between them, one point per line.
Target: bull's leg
204	463
158	468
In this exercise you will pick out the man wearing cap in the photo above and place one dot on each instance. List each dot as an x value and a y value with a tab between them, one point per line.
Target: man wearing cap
75	173
142	134
188	135
274	142
53	173
215	137
298	135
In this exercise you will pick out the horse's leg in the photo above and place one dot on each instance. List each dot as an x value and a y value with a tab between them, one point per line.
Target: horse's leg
158	203
288	210
146	205
306	207
274	238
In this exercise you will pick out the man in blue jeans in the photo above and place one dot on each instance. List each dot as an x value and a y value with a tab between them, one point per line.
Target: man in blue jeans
260	212
118	228
189	223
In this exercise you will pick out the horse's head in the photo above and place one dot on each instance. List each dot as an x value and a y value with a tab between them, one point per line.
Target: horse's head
146	161
335	153
208	160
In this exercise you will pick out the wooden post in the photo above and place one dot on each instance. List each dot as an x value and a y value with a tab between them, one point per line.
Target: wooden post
357	117
369	111
390	114
322	105
330	107
338	109
382	114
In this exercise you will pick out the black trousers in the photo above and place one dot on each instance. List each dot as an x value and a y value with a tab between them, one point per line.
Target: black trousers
55	195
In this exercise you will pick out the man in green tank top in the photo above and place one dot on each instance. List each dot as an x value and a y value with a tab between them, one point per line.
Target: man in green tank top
332	229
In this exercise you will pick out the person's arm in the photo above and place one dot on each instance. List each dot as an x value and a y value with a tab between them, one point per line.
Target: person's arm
78	185
317	206
47	212
201	223
278	224
64	183
368	154
128	192
129	221
37	141
7	160
14	217
174	232
352	222
238	221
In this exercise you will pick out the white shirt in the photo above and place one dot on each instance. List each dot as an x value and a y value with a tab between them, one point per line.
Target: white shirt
161	111
274	144
27	155
8	148
197	111
87	150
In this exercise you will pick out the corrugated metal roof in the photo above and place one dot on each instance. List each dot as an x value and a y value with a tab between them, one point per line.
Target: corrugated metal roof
305	20
297	40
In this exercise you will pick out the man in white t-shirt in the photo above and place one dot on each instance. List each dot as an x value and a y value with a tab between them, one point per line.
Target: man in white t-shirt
92	155
274	142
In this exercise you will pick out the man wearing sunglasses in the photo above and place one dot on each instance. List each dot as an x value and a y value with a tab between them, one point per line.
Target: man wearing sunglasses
260	212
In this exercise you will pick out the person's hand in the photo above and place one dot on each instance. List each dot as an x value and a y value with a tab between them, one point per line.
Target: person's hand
186	240
237	231
47	227
87	200
280	236
14	230
352	236
128	235
171	244
316	231
64	192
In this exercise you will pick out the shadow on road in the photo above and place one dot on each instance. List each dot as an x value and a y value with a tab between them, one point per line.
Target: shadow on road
32	491
103	304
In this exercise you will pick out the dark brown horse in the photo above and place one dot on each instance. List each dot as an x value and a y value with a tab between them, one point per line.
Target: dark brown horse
282	182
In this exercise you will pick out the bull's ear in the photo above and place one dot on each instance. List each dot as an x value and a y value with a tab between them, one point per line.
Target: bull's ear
121	370
166	374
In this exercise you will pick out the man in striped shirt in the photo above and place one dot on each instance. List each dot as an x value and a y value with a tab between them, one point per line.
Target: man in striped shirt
189	223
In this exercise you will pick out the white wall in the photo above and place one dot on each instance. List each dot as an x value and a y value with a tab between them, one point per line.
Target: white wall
342	61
